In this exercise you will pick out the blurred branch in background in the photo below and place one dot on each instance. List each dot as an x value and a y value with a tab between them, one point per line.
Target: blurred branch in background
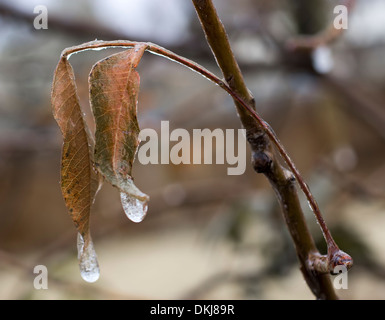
93	30
310	37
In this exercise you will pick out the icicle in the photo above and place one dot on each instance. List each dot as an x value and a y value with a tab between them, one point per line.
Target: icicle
88	262
134	208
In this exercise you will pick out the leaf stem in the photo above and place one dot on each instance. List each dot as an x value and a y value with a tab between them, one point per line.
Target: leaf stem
241	105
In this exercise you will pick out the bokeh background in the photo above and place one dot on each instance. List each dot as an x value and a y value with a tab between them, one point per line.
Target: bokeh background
207	235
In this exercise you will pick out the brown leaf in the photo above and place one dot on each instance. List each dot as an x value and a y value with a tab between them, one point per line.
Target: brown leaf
114	90
79	182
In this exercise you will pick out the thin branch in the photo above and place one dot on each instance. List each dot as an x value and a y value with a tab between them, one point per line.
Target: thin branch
249	118
264	161
246	110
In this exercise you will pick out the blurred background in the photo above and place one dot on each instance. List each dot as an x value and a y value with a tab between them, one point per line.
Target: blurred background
207	235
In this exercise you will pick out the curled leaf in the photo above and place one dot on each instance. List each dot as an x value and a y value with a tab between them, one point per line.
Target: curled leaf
114	90
79	180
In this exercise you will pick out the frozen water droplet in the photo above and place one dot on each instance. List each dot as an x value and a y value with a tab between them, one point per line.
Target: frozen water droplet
134	208
88	262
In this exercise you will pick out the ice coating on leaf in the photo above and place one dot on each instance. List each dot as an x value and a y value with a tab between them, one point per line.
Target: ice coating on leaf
134	208
79	180
88	262
114	89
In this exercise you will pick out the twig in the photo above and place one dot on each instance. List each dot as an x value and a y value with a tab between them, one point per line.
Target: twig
259	133
262	160
265	162
246	110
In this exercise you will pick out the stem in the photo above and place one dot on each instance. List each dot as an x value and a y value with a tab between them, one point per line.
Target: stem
249	117
264	161
241	104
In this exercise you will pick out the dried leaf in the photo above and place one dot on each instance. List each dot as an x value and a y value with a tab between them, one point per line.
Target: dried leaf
79	181
114	90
